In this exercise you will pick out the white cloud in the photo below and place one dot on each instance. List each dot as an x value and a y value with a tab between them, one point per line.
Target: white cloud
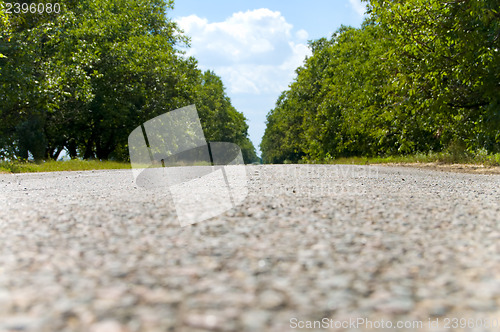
302	34
358	7
254	51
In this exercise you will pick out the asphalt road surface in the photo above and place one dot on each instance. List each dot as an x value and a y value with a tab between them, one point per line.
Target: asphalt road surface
353	248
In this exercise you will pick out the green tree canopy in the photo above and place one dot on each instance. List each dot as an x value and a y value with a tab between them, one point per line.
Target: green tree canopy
418	76
84	78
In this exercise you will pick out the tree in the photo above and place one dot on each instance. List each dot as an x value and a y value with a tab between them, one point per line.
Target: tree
220	120
23	80
85	77
449	61
333	107
418	76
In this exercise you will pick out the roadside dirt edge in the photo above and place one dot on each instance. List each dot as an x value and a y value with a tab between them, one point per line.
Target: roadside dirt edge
458	168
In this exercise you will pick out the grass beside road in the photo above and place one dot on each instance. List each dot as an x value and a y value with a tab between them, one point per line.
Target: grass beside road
479	159
444	158
478	163
57	166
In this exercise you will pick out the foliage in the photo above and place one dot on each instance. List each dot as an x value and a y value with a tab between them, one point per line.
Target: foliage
418	76
4	28
59	166
81	80
449	62
220	120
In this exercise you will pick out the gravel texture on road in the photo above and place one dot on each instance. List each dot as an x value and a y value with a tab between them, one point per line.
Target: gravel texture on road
91	251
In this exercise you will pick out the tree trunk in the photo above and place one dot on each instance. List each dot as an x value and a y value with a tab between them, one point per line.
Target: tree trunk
103	150
89	153
71	146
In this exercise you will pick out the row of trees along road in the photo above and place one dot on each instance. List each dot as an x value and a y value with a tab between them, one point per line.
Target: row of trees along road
83	78
418	76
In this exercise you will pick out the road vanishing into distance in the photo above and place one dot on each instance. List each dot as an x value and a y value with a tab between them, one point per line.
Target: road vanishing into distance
351	248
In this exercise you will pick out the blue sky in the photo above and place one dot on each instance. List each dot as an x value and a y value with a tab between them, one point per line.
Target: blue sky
255	46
